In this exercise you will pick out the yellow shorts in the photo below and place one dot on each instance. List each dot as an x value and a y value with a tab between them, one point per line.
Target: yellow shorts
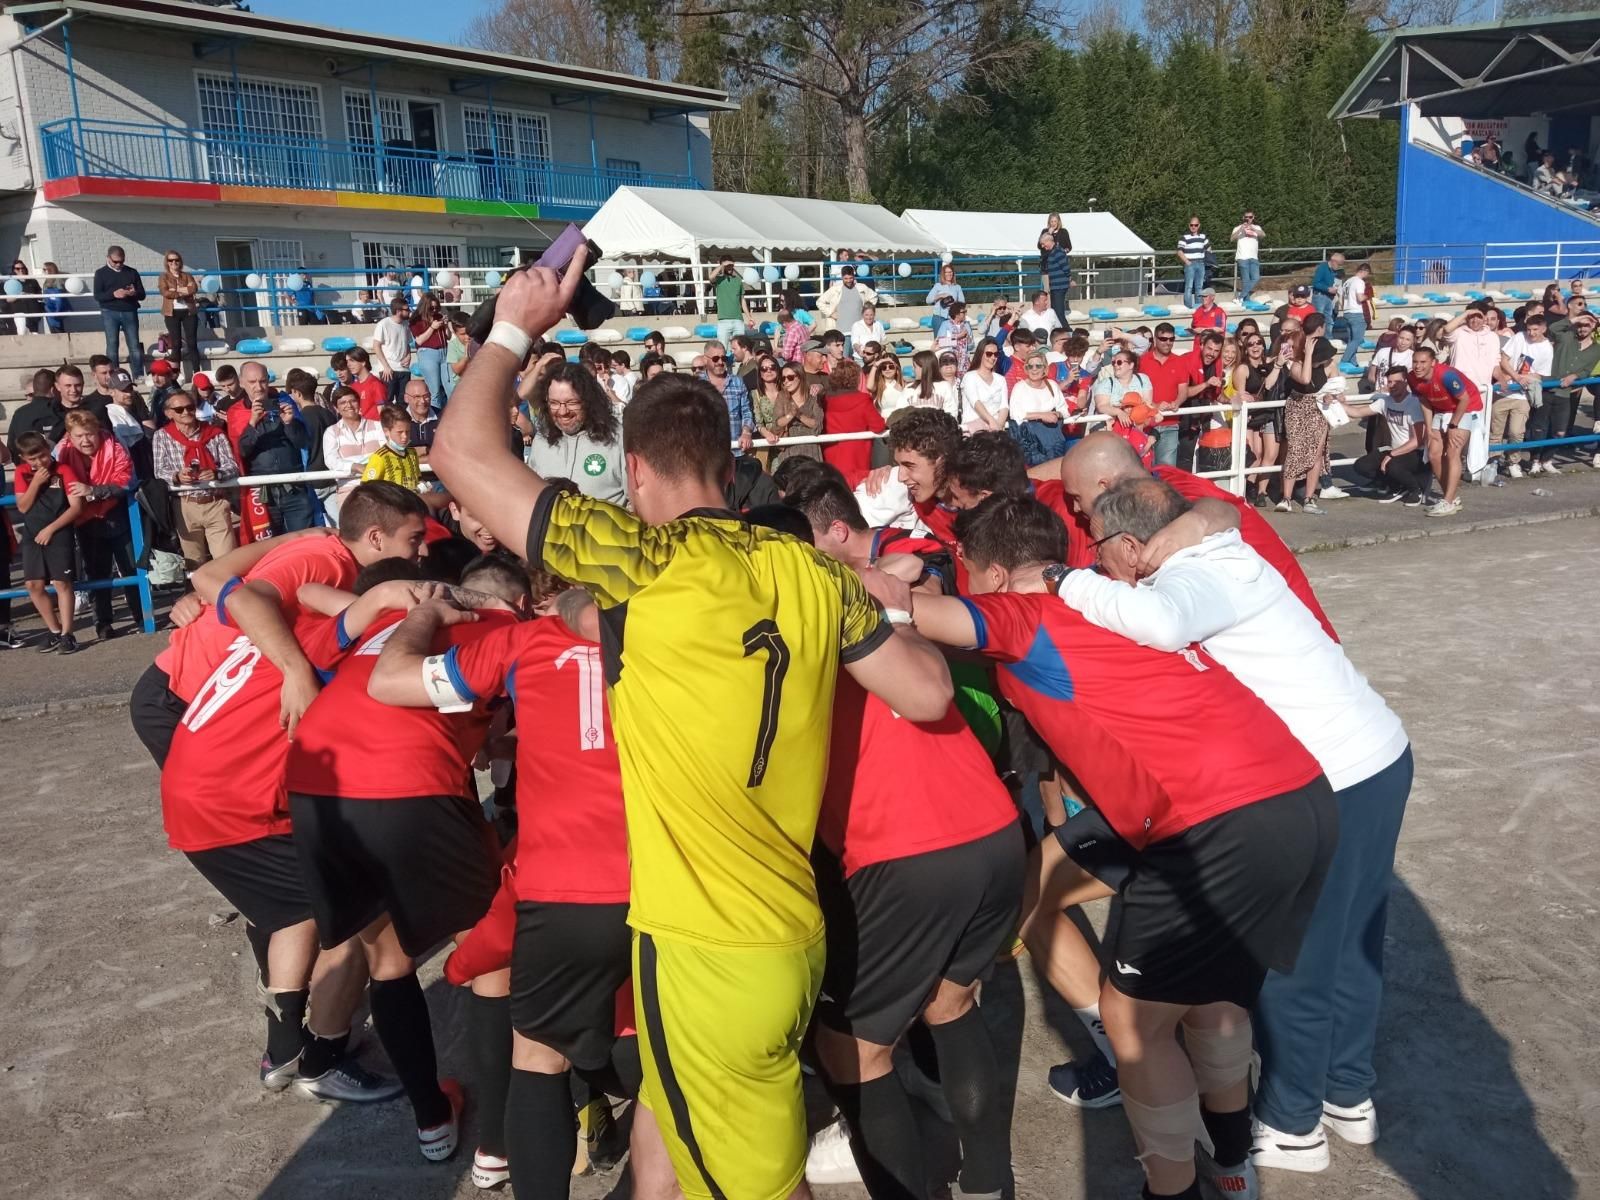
719	1039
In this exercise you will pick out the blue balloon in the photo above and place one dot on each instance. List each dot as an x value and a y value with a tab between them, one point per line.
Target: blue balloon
13	286
211	283
648	279
864	271
770	273
491	279
295	282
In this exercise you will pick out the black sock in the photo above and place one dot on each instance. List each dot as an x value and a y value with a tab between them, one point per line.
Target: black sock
1192	1192
489	1040
322	1053
400	1015
883	1134
977	1102
541	1135
1230	1135
286	1015
920	1042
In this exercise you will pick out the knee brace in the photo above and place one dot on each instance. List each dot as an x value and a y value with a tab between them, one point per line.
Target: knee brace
1220	1059
1168	1130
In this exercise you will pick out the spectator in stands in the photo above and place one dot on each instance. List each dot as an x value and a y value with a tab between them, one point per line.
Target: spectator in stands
1193	247
374	392
1256	378
577	433
228	390
1205	377
119	291
792	335
1355	306
741	421
1474	348
457	353
955	337
50	509
886	383
391	341
868	329
1300	305
70	394
630	293
105	536
766	400
1325	284
1038	409
742	348
727	290
350	441
1055	272
984	403
943	294
1126	395
396	460
1306	354
272	443
1246	238
834	347
1039	317
1397	468
798	414
1577	356
1546	179
1167	373
1056	232
100	372
424	422
314	414
179	291
185	451
41	413
430	331
844	302
848	409
1396	354
1527	359
128	419
1210	314
54	284
26	307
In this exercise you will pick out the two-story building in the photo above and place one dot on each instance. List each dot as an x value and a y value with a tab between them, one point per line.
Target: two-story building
250	143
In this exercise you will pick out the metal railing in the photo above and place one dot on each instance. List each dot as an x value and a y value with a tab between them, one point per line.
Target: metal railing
130	150
138	581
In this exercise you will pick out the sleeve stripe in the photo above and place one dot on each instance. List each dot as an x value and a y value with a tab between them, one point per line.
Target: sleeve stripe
538	526
452	666
222	601
342	634
880	634
980	628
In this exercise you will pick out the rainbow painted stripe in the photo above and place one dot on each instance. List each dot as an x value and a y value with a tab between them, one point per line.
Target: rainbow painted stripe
150	189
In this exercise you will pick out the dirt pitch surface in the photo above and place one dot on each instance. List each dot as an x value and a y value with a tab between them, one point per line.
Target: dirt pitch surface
129	1033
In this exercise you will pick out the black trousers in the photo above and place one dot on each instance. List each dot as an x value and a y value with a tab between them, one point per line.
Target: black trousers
1405	474
104	545
181	333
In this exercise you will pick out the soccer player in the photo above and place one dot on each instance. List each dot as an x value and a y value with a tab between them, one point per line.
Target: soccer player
914	492
394	848
1455	408
1212	831
571	949
722	647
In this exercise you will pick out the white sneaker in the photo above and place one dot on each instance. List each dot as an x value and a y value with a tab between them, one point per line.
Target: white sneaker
1333	492
1285	506
1358	1125
1445	508
1514	470
1550	468
1271	1147
1596	463
830	1159
1535	467
489	1171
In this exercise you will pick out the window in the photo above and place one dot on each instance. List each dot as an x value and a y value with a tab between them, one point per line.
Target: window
485	258
280	254
519	135
378	256
624	170
393	114
261	131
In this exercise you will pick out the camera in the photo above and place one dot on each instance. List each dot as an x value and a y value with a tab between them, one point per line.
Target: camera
589	308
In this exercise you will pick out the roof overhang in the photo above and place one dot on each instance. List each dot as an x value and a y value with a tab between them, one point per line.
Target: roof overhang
1521	67
203	24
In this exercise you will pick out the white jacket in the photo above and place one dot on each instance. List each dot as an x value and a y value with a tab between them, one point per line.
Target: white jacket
828	302
1228	598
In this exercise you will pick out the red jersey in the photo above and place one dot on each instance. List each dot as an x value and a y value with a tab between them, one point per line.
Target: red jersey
1442	390
197	648
223	782
352	746
879	763
1053	496
1165	376
939	519
374	393
1216	317
1159	742
572	837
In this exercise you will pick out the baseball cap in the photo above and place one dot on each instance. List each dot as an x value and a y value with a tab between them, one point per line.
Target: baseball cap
811	344
161	367
1301	290
122	381
1209	292
201	380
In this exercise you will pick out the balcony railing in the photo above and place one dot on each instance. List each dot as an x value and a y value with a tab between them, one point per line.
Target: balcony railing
125	150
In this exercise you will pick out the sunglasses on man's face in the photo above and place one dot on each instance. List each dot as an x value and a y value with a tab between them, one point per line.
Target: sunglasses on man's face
1164	337
180	408
711	358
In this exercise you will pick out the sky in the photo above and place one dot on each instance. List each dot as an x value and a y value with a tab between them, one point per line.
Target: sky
426	20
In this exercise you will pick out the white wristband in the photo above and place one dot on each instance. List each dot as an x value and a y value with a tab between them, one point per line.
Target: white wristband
508	336
441	691
897	616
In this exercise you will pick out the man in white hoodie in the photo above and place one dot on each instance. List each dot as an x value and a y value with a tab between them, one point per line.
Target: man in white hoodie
1316	1027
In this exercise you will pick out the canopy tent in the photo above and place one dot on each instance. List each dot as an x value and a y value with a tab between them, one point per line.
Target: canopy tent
1006	235
677	223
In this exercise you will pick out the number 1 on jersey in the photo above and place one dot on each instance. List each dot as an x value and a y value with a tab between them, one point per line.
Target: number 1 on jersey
764	635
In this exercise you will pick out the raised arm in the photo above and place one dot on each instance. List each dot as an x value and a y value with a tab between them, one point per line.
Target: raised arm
1175	609
403	675
470	452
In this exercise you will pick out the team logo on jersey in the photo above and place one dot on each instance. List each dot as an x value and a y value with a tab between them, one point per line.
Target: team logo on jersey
594	465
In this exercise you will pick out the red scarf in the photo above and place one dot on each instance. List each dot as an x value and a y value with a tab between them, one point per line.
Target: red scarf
196	447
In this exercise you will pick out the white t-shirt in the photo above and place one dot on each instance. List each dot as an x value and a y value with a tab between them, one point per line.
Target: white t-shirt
1244	245
991	395
1040	322
394	339
1401	417
1028	402
861	333
1228	598
622	385
1541	354
1355	295
1390	357
895	397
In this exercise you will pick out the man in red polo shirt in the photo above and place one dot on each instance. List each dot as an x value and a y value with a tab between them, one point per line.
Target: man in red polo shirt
1167	372
1213	833
1210	314
1455	408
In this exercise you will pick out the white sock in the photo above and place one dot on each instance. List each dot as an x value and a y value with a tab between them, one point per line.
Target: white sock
1097	1030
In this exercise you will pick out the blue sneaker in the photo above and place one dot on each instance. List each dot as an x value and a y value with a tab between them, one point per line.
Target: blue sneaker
1087	1083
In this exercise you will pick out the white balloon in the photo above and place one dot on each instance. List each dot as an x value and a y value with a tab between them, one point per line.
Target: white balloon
648	279
946	257
864	270
770	274
491	279
835	271
751	276
295	282
445	279
791	272
905	270
211	283
253	281
75	285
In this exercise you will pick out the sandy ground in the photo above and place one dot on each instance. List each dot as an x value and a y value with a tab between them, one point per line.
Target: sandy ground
128	1036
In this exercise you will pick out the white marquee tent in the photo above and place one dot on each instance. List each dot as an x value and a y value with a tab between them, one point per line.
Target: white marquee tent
1006	235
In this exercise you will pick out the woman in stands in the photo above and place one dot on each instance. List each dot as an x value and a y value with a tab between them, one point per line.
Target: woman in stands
1255	378
1432	336
798	415
1053	226
943	295
848	409
887	386
1305	354
766	398
955	336
983	391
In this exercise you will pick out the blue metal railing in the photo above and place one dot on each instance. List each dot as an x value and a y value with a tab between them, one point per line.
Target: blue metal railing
129	150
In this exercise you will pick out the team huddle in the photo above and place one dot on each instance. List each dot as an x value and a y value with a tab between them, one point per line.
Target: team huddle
762	773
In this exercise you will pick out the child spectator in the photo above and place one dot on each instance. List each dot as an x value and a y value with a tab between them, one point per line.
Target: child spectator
49	556
105	477
457	353
623	380
396	460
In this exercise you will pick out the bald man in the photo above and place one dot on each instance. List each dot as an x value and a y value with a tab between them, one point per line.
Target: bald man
1102	459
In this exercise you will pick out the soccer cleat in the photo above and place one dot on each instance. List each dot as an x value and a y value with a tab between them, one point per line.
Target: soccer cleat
1234	1183
1087	1082
1271	1147
438	1142
348	1080
276	1078
1358	1125
829	1158
489	1171
603	1140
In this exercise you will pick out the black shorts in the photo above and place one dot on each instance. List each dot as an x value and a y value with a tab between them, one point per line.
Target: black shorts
58	560
896	928
430	862
567	963
155	712
1204	915
261	879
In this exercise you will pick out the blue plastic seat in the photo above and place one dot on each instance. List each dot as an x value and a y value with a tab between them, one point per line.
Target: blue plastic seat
1257	306
571	337
769	329
1477	295
1103	314
1436	297
1157	310
1233	327
1183	331
1519	294
926	322
705	331
637	333
1396	298
1350	368
254	346
1369	343
335	344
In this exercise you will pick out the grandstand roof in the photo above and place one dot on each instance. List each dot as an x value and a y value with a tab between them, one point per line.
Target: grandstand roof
1094	234
682	223
1508	68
